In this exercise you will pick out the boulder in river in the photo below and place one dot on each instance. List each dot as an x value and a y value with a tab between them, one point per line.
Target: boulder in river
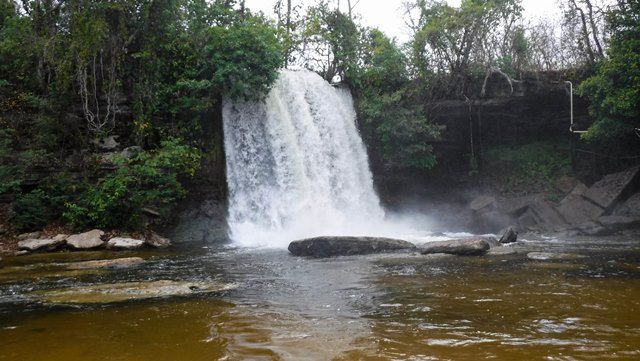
346	246
119	292
509	236
106	263
460	247
124	243
87	240
36	245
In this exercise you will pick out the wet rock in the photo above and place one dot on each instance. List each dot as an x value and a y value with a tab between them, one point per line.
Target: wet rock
509	236
41	245
630	208
157	241
87	240
460	247
541	216
120	292
575	209
107	263
609	189
124	243
502	251
518	205
30	235
346	246
483	203
615	224
591	228
545	256
22	253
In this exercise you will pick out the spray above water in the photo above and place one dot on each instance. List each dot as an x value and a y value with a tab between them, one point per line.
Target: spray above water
296	165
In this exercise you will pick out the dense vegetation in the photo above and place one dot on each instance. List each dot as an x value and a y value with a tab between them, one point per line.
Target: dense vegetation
73	73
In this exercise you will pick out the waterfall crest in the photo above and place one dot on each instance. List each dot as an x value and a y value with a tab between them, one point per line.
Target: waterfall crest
296	165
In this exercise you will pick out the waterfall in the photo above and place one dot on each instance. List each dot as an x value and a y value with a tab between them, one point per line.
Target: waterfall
296	165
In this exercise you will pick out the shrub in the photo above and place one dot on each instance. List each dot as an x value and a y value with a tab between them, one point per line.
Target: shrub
150	179
30	211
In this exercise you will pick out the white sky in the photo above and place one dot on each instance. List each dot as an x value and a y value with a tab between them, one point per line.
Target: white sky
387	15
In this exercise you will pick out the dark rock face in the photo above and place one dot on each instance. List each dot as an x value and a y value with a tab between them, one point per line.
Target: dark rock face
346	246
609	189
460	247
509	236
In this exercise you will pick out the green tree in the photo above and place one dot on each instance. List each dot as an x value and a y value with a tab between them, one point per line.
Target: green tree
614	91
388	106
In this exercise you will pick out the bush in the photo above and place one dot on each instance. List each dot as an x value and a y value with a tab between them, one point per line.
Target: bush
30	211
149	180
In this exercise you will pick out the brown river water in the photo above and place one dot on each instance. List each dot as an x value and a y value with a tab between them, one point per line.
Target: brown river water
383	307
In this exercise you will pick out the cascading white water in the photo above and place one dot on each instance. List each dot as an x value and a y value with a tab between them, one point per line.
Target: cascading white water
296	165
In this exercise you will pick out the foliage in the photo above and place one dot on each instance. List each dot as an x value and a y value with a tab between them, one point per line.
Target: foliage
44	204
30	211
148	180
244	58
615	89
332	41
529	167
388	108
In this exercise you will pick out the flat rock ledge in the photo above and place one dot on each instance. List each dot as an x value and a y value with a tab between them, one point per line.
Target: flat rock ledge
128	291
459	247
347	246
106	263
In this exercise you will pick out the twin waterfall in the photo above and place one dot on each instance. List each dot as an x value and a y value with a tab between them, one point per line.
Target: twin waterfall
296	165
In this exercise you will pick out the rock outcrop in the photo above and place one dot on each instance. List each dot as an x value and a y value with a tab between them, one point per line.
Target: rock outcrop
120	292
106	263
346	246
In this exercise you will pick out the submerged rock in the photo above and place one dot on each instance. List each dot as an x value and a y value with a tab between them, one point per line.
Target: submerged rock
544	256
460	247
346	246
46	245
87	240
119	292
107	263
509	236
124	243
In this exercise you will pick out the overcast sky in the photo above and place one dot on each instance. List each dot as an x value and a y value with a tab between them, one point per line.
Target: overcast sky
387	14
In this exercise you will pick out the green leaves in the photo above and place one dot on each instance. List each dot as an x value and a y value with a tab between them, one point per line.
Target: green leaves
614	90
389	109
243	59
151	179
